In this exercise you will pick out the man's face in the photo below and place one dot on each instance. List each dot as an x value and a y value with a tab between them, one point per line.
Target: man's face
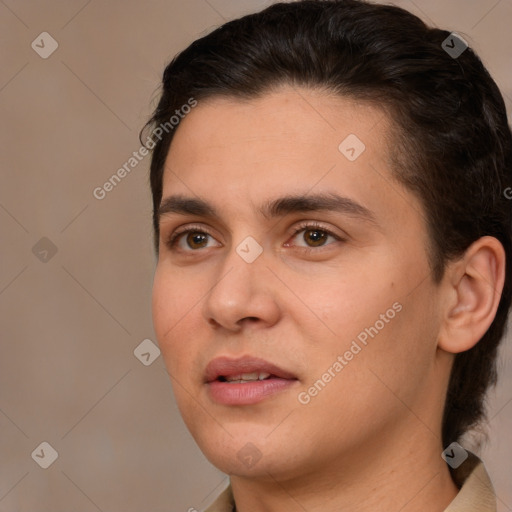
340	300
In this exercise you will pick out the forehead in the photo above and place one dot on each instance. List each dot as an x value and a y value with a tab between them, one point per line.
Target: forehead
287	133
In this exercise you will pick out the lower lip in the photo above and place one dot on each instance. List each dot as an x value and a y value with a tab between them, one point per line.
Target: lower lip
248	393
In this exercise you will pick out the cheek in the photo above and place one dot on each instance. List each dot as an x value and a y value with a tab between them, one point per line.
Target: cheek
399	358
163	305
383	328
172	302
377	377
338	307
174	296
172	306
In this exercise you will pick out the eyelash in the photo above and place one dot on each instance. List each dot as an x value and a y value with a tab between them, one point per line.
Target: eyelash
174	238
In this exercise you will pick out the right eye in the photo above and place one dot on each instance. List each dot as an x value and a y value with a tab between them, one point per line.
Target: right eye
195	239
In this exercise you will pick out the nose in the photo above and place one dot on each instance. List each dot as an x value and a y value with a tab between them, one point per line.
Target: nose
243	293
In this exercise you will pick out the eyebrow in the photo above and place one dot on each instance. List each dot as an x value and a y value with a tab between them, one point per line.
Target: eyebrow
274	208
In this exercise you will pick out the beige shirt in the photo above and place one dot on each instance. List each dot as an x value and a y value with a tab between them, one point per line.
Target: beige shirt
476	491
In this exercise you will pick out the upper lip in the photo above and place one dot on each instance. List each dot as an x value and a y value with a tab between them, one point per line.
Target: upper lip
226	367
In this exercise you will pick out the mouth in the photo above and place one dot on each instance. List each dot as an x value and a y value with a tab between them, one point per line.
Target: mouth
245	381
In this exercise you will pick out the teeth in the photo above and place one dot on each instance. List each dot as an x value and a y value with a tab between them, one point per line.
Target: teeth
247	377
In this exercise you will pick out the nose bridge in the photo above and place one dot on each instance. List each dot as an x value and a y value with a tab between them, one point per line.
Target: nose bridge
240	269
244	257
238	290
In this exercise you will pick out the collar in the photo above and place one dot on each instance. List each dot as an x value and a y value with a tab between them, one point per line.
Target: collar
476	492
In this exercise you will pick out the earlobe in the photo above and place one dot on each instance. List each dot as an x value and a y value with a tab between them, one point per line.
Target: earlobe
475	283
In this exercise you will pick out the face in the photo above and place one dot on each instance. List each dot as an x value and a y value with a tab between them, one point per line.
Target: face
290	255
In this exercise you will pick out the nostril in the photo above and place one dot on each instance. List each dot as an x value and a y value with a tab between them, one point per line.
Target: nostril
250	319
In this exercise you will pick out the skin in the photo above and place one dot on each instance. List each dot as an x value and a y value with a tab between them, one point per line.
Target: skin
371	438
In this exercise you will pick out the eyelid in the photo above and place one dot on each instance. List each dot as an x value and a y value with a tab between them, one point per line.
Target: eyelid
174	237
311	225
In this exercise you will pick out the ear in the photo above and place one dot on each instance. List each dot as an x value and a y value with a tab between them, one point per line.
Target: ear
473	287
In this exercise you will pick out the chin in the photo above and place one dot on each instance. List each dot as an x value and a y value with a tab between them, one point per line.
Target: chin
247	462
236	448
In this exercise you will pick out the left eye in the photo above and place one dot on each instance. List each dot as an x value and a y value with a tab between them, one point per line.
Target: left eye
314	236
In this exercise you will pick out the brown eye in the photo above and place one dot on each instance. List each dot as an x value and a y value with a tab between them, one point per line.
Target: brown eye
196	240
190	240
317	237
313	236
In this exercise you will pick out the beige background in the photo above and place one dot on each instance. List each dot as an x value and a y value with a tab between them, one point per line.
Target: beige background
69	326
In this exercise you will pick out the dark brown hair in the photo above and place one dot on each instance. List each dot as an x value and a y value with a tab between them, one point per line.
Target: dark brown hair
453	143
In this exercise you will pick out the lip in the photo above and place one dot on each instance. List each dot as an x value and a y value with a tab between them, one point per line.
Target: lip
245	393
226	367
